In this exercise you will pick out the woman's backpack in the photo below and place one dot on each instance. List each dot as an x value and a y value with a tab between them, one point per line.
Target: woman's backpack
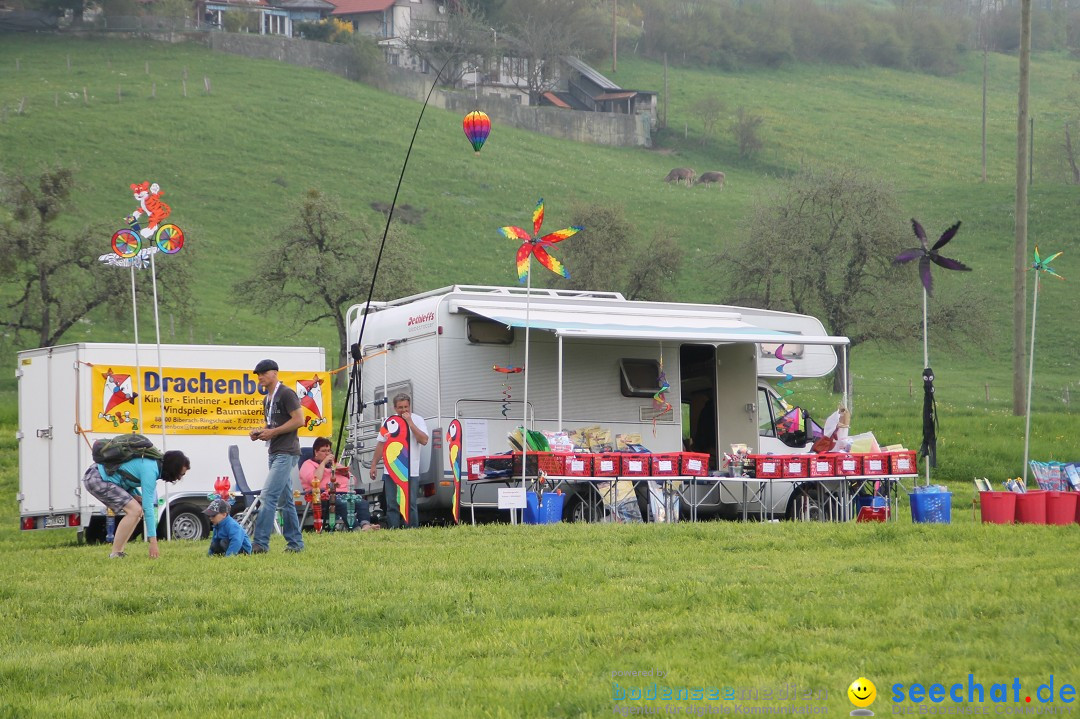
111	453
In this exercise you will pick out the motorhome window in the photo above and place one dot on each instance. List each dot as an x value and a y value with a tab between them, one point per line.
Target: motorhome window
483	331
384	409
766	425
639	377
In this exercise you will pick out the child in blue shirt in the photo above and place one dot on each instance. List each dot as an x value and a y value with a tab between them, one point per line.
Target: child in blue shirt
229	538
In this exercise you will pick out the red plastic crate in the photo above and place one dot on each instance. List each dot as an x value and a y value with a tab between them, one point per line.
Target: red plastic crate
820	465
566	464
875	463
532	463
795	465
606	464
768	466
904	462
475	466
694	464
847	465
873	514
665	464
635	464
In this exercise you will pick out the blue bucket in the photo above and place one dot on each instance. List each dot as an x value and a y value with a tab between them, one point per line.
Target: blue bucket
931	507
547	512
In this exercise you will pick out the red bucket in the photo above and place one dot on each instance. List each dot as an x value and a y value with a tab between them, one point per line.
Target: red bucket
1061	507
1031	507
998	507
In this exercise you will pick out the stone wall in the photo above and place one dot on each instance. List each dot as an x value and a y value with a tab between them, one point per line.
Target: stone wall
591	127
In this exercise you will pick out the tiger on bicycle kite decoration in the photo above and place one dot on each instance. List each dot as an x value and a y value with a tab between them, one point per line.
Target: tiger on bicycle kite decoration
164	236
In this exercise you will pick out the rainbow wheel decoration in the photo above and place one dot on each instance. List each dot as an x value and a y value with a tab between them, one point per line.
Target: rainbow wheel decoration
126	243
169	238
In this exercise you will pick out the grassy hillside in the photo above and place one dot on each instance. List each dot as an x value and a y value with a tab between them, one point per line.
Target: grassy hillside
231	162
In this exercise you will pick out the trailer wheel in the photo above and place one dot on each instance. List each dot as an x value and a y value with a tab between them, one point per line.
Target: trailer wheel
584	506
803	506
187	523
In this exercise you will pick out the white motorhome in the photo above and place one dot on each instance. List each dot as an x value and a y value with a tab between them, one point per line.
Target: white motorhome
72	395
594	358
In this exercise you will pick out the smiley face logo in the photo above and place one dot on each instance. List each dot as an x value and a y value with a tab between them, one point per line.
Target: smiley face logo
862	692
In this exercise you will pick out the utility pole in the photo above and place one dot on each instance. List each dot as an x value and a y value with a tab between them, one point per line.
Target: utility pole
1020	250
614	35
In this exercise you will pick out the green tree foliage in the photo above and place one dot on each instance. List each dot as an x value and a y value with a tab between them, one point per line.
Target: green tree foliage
539	33
608	256
322	263
822	243
731	34
51	278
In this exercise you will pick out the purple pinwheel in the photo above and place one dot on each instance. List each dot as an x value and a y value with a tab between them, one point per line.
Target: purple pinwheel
926	256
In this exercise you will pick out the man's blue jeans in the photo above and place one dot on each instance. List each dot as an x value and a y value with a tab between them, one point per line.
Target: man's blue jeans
278	493
394	519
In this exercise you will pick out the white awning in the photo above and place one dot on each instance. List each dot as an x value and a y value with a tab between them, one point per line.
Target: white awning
639	324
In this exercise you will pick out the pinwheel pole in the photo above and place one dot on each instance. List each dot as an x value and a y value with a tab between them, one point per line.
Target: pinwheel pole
926	356
1039	266
533	244
927	256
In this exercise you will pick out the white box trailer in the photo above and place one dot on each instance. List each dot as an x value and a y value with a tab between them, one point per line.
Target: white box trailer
594	359
72	395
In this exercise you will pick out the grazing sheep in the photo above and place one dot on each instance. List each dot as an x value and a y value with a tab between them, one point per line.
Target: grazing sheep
679	174
710	178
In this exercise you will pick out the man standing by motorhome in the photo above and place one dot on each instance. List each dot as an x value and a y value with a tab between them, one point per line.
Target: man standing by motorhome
283	417
418	436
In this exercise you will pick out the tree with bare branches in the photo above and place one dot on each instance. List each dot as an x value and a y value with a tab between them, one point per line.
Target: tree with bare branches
51	278
321	263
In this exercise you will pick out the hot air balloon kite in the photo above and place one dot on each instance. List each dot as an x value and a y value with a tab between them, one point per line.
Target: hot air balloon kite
477	126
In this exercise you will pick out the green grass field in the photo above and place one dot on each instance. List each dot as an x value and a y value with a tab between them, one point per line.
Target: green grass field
532	621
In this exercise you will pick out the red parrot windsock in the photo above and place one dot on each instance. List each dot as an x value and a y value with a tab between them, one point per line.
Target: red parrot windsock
454	437
396	459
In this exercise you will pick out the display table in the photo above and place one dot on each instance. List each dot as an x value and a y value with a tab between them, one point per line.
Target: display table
835	495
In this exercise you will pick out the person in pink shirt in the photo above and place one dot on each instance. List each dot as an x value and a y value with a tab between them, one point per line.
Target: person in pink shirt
323	466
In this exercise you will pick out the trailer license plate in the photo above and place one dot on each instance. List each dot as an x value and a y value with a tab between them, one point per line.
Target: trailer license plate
55	520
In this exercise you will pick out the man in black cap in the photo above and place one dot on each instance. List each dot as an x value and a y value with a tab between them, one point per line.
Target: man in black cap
284	416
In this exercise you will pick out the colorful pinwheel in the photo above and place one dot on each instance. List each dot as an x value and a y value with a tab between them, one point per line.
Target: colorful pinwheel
926	256
477	126
535	246
1040	266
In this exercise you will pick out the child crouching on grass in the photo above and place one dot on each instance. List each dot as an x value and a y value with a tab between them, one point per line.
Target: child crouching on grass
229	538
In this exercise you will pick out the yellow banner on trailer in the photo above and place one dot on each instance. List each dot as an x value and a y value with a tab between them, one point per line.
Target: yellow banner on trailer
200	401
